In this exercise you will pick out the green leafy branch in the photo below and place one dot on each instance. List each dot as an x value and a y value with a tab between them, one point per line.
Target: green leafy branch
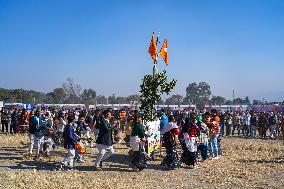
151	90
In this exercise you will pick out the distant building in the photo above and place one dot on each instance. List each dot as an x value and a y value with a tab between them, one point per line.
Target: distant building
227	107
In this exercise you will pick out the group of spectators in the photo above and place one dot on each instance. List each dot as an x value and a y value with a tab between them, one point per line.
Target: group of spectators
196	132
252	124
247	124
200	133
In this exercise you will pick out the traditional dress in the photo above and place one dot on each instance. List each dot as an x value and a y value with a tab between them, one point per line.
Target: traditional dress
137	140
170	138
47	140
203	140
213	136
190	145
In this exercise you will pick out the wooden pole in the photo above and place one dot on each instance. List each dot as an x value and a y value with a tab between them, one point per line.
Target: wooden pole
154	73
155	67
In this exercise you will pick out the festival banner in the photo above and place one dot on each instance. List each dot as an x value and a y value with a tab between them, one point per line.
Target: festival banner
154	136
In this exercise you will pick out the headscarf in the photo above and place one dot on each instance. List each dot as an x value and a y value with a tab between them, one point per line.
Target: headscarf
169	126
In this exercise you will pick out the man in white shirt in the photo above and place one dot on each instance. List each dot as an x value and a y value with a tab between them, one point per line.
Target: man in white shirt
246	126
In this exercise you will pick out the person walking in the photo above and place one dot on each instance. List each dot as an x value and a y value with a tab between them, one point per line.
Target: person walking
189	146
70	141
164	119
39	131
137	141
170	138
104	140
32	128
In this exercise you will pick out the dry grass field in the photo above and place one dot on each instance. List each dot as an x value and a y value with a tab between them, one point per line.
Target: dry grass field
245	163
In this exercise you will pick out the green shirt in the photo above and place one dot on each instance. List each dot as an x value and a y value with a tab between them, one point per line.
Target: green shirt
137	130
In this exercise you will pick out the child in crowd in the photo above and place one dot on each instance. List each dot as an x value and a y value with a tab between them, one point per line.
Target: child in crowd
70	140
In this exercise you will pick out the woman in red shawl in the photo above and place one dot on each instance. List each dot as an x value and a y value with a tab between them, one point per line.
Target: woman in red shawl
170	138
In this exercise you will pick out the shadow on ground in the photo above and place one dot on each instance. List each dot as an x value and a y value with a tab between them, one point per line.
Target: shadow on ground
277	160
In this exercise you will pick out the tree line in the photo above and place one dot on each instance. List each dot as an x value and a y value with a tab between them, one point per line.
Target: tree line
199	94
69	93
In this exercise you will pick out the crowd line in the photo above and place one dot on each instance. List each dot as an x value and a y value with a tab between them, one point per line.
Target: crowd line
198	134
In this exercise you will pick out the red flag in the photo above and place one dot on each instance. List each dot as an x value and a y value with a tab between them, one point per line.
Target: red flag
153	48
164	52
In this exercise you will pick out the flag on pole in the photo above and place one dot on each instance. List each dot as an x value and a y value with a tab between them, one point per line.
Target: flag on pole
164	52
153	48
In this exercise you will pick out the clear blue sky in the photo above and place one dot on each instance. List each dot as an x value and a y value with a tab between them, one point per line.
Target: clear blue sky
103	44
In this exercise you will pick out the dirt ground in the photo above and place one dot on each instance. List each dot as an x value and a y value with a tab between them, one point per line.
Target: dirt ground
245	163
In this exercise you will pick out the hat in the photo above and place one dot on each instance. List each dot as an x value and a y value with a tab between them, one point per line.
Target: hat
70	118
214	111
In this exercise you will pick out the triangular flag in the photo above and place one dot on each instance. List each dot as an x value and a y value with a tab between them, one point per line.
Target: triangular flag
164	52
153	48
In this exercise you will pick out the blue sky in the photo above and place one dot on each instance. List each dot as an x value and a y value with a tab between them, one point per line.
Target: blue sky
103	44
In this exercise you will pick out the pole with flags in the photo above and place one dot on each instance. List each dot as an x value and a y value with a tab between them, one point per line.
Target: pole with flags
154	52
155	55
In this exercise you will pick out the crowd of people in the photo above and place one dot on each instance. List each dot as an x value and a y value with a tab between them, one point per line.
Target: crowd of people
198	134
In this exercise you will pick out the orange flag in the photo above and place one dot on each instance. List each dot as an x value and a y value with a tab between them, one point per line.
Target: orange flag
164	52
153	48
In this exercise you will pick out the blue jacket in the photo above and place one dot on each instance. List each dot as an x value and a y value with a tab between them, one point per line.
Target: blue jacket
69	136
37	122
164	121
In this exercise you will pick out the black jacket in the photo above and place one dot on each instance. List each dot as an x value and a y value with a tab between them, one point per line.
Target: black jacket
32	126
105	133
272	120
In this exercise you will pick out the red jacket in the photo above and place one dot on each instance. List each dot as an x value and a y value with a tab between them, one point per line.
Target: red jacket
174	131
214	127
24	119
194	131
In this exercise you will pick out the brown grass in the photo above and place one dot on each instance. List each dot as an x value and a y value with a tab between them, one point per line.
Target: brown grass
244	164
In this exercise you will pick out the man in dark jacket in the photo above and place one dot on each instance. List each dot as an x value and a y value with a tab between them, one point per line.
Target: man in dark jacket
272	121
32	128
263	124
97	121
70	139
4	120
104	140
253	124
39	128
14	121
